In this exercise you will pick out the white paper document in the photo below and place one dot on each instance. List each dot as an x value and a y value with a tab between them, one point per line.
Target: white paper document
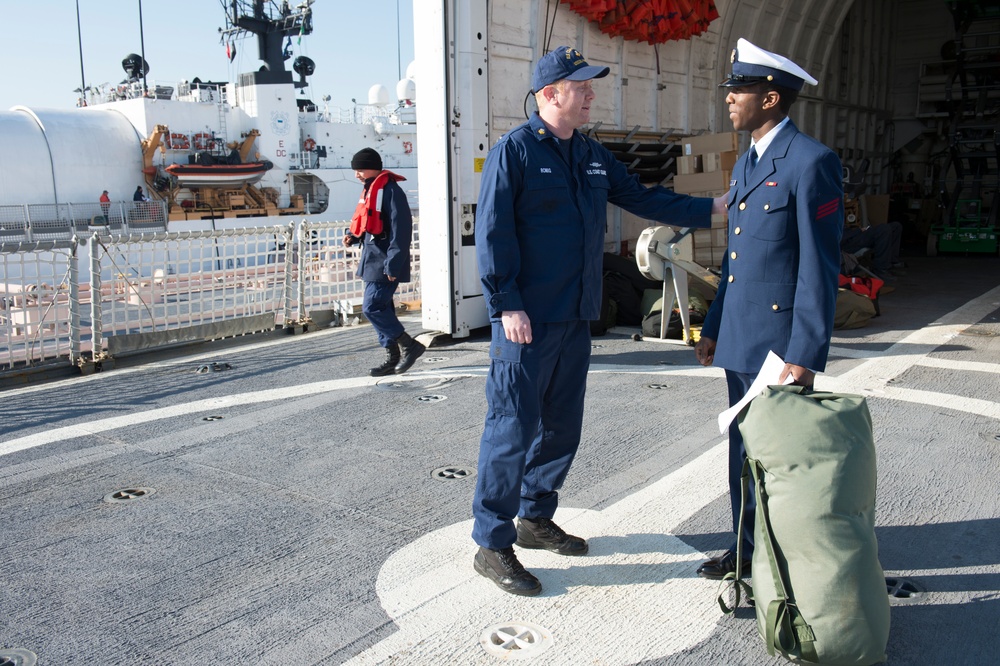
768	375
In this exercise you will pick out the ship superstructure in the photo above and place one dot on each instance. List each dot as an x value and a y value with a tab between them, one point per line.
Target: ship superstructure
145	133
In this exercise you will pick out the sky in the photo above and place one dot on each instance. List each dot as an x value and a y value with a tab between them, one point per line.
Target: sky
355	45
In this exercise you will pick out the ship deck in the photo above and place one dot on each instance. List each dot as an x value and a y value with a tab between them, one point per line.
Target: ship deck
284	507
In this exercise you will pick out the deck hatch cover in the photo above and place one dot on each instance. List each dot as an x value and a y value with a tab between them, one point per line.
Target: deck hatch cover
979	331
17	657
213	367
516	640
414	384
435	359
128	494
452	473
901	588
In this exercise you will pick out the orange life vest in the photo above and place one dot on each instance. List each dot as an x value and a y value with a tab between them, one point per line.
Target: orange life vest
368	214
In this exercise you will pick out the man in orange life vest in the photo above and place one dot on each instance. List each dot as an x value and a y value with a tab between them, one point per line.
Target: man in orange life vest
105	205
382	223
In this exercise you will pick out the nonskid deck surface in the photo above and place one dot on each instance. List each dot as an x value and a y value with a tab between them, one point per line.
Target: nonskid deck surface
291	509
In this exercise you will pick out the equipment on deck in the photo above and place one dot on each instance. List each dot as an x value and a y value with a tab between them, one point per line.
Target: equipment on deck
659	257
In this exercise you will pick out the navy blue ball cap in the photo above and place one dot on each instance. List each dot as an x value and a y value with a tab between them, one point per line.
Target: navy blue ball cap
564	63
752	64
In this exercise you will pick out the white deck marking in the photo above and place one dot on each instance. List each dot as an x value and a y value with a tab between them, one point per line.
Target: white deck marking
208	405
637	584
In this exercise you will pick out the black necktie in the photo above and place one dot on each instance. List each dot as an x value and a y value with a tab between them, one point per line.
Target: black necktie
753	157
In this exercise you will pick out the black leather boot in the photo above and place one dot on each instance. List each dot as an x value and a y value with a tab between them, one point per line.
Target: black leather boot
502	567
389	364
411	352
543	533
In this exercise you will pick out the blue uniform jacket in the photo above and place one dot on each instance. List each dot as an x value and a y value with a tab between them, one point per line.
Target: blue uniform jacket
779	276
389	252
540	223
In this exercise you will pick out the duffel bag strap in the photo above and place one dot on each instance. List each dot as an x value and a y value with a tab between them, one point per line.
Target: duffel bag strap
733	576
781	611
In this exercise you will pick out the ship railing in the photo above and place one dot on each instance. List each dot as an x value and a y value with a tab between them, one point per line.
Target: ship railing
36	293
184	91
326	284
90	299
33	222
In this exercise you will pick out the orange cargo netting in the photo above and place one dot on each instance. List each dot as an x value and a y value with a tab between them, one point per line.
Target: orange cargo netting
652	21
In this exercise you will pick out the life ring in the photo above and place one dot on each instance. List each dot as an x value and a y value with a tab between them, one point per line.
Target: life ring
178	142
407	147
203	141
309	144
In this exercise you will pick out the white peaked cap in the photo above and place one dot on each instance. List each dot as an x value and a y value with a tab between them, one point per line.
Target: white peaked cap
752	64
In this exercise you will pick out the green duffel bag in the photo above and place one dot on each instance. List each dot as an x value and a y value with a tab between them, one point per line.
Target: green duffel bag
819	589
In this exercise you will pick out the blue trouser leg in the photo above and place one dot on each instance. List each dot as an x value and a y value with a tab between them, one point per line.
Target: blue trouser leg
381	312
738	384
552	452
535	397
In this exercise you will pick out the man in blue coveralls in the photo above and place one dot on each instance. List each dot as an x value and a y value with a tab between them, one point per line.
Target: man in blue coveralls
540	226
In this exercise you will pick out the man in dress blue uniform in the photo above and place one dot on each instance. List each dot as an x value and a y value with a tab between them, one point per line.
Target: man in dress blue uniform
540	227
779	276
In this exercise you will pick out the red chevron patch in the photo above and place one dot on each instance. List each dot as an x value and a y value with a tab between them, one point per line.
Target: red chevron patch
828	208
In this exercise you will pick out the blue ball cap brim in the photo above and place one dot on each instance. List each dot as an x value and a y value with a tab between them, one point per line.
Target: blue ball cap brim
588	72
564	63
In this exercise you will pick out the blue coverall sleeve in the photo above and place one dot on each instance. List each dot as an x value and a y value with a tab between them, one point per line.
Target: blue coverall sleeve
655	203
397	210
497	249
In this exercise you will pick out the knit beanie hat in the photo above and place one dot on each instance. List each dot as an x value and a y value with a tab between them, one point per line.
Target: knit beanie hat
366	158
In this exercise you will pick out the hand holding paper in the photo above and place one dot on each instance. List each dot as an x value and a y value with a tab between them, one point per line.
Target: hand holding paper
768	375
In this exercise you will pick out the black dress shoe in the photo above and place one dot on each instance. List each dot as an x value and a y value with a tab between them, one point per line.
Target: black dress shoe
502	567
717	568
543	533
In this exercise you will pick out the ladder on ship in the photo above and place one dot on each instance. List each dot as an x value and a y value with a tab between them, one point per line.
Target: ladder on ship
223	133
972	94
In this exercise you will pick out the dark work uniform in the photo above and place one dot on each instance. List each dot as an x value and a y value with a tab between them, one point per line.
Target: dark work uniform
540	227
383	255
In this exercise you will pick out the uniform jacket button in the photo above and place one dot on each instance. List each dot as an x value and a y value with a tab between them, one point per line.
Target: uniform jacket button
731	278
736	231
743	205
732	255
775	307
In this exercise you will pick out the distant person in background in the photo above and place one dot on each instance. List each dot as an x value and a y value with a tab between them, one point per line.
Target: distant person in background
883	240
139	195
383	225
105	204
